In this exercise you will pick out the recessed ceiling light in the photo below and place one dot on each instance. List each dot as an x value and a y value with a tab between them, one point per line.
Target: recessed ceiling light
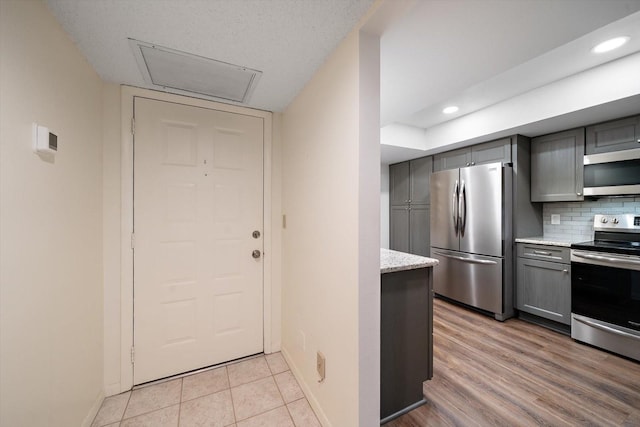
450	110
610	44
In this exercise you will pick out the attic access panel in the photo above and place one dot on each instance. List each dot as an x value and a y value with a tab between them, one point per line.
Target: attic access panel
167	68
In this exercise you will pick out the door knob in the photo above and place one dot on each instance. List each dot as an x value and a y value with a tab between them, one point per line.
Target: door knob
256	254
255	234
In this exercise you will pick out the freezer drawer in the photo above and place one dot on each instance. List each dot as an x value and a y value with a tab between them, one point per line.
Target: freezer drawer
475	280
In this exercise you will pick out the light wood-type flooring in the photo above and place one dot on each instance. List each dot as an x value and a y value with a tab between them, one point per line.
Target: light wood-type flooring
488	373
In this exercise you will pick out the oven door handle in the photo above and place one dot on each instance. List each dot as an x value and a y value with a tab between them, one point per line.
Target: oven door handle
607	328
606	259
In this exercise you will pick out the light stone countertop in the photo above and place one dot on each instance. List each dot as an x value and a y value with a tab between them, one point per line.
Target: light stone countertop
391	261
551	241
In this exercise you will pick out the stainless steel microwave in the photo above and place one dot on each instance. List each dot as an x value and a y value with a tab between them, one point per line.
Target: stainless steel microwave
612	174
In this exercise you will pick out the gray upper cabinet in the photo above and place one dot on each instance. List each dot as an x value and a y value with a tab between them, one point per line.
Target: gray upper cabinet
399	184
420	171
452	159
491	152
616	135
557	166
409	181
488	152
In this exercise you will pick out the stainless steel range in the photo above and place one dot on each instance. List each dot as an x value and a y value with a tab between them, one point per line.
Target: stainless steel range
605	286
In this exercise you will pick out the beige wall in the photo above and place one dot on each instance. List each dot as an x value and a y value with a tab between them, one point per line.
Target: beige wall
331	244
51	332
111	197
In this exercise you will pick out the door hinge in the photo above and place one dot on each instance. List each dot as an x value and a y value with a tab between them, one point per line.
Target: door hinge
133	240
133	355
133	126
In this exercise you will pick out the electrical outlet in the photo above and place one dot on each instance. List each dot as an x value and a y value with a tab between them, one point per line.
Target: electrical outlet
320	366
555	219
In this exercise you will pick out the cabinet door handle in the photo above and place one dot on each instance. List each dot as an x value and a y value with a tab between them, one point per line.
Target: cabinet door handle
565	271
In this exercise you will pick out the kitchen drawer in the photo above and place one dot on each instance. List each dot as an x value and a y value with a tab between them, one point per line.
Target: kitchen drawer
544	252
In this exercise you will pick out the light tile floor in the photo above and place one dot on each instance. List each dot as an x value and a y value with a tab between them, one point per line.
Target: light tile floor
258	392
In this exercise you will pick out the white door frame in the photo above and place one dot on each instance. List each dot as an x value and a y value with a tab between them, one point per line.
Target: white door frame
126	280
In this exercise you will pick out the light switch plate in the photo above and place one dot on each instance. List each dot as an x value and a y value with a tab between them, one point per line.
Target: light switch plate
555	219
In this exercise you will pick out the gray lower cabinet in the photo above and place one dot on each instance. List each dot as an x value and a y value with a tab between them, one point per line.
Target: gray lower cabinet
399	228
409	229
419	236
616	135
406	339
543	282
557	167
488	152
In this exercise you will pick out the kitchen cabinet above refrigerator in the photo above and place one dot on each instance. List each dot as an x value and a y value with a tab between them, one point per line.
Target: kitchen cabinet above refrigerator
480	154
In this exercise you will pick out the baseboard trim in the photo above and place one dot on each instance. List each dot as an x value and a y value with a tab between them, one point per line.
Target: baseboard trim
112	389
97	403
315	405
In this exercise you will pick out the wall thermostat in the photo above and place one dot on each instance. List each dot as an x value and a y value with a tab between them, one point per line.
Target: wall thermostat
44	142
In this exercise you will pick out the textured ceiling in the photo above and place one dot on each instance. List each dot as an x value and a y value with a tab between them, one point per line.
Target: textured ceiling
474	53
285	39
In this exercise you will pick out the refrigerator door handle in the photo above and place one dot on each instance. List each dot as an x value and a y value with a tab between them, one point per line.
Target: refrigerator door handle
454	203
469	260
462	206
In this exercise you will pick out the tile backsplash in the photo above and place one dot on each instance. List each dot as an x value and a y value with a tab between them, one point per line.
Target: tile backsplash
576	218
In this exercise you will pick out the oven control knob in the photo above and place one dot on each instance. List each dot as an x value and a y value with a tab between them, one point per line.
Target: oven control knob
615	220
603	220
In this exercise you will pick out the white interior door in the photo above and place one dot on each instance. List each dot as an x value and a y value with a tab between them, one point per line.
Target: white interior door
198	198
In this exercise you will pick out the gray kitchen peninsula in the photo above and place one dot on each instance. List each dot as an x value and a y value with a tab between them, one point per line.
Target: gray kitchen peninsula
406	331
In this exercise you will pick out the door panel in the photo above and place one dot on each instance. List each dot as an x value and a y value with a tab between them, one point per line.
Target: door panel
454	159
197	199
443	209
471	279
491	152
399	235
544	289
557	166
399	183
481	211
419	241
421	170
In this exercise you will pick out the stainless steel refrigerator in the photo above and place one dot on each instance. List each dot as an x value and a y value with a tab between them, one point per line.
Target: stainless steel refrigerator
471	236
